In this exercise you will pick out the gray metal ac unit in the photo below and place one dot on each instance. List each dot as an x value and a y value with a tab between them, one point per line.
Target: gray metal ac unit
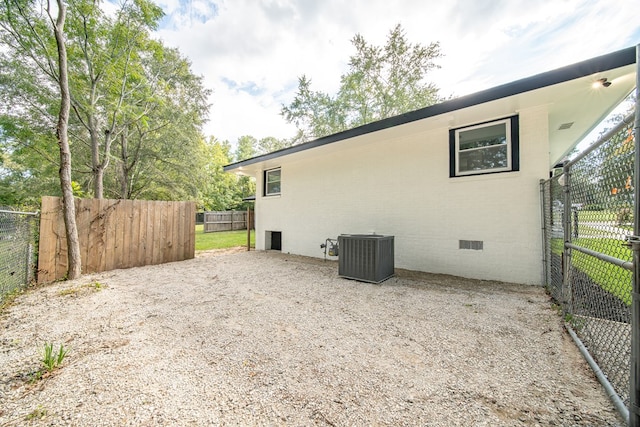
366	257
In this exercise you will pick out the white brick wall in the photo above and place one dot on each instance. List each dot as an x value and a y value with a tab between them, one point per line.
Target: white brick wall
397	182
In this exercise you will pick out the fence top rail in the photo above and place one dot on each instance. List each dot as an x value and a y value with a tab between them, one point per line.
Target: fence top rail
224	212
604	138
19	212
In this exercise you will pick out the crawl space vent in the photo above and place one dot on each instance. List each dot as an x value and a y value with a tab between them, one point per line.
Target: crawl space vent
565	126
476	245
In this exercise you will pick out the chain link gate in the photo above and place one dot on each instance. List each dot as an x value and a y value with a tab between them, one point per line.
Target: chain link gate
18	232
588	218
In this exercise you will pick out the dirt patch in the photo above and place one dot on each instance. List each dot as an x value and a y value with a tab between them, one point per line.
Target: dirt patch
263	338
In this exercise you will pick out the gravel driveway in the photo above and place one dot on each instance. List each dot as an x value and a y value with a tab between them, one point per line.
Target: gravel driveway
257	338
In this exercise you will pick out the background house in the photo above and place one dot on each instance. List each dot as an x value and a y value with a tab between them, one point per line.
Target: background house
456	183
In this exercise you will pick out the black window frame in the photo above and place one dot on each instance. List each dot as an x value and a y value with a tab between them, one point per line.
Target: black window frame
265	182
513	146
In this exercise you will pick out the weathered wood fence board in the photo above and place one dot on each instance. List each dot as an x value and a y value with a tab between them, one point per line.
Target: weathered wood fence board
116	234
225	221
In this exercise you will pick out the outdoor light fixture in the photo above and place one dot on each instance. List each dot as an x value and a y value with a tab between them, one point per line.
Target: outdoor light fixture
601	82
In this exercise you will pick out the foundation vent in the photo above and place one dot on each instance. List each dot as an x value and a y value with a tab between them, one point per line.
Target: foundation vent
476	245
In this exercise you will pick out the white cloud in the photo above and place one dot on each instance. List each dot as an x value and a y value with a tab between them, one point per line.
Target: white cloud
252	52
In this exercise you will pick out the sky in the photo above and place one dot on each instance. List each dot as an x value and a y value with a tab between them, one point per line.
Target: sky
251	52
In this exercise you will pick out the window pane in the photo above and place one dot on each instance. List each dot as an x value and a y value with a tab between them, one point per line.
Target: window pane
273	187
273	176
483	137
494	157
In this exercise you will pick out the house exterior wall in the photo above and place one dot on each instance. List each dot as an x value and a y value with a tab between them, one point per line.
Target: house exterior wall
397	183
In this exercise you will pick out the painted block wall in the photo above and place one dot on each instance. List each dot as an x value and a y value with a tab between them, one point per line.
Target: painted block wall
396	182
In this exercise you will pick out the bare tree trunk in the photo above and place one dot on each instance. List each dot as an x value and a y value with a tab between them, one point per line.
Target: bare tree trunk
98	182
95	156
69	209
124	170
97	166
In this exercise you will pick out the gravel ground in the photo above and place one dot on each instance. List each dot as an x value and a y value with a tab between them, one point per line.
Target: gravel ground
258	338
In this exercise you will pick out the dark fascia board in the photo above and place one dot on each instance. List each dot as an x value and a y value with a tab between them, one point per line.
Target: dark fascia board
598	64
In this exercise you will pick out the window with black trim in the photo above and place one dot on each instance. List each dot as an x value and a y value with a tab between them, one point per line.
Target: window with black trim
483	148
272	182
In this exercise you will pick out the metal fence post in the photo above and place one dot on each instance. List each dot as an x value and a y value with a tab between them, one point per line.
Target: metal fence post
566	251
634	390
546	271
27	250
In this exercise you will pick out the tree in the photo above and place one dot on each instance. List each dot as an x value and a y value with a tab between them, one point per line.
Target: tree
221	191
168	116
27	170
25	28
246	148
270	144
107	73
381	82
603	178
74	269
137	109
30	27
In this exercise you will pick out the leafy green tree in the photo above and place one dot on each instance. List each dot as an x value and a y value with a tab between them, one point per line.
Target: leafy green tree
221	191
246	148
270	144
603	179
28	27
160	143
382	81
29	169
108	74
25	28
137	110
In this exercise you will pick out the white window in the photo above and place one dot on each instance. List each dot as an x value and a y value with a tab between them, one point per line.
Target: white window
272	182
485	148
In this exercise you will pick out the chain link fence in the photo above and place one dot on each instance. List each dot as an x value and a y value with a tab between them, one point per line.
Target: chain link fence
588	214
18	234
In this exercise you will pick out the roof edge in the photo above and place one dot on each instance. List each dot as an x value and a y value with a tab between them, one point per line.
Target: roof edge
598	64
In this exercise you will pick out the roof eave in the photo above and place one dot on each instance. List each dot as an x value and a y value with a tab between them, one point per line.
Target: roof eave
581	69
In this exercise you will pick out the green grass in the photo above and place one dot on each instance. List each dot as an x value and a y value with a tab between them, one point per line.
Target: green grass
222	239
594	216
611	278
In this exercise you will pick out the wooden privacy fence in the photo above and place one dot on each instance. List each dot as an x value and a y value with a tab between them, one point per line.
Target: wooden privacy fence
116	234
225	221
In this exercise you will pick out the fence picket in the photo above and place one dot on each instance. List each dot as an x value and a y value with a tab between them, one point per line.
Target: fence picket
225	221
148	254
116	234
61	266
110	234
101	248
190	248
